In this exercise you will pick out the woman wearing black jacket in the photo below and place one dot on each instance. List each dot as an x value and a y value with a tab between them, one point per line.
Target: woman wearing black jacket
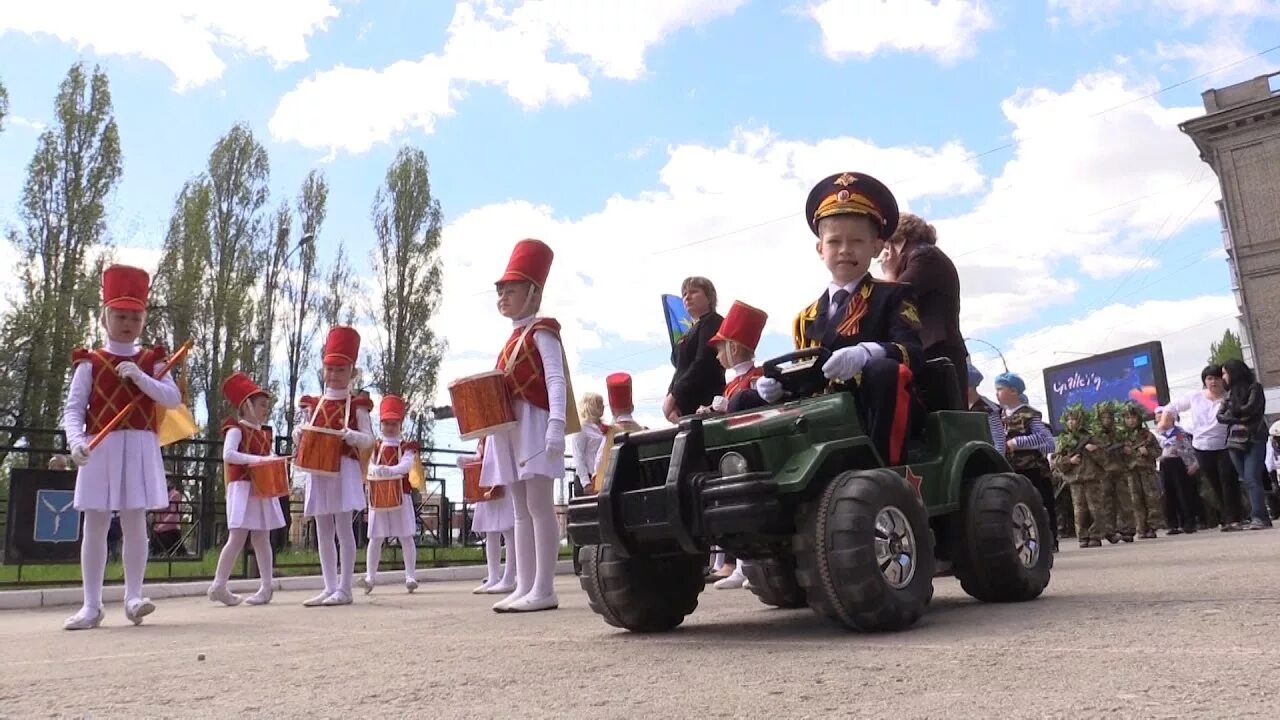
1242	411
699	377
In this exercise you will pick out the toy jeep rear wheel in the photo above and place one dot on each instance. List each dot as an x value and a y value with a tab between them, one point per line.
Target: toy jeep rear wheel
1001	555
773	580
641	594
864	552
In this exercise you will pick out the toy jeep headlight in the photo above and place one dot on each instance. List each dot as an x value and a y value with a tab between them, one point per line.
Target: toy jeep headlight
732	463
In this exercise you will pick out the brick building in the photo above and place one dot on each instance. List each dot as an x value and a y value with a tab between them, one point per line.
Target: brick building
1239	137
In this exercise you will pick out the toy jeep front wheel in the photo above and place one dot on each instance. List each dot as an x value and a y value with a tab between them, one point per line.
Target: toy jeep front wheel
641	594
1001	555
773	580
864	552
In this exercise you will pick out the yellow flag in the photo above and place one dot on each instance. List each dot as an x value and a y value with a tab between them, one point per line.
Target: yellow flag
417	476
176	424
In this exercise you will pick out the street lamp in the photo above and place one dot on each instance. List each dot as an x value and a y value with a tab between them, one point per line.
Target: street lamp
306	239
993	347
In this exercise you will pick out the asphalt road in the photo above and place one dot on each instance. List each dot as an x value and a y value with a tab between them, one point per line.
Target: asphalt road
1176	627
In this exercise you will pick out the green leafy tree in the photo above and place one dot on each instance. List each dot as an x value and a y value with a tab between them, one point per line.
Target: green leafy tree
299	288
1226	348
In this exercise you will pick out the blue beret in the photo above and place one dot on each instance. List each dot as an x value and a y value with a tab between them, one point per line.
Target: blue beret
1011	380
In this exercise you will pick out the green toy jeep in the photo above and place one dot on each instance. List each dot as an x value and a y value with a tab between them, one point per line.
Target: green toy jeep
798	490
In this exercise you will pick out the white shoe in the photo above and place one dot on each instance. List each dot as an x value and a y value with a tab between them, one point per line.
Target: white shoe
318	600
501	589
733	582
220	593
502	605
481	589
532	604
341	597
410	584
365	583
262	597
746	584
86	619
138	608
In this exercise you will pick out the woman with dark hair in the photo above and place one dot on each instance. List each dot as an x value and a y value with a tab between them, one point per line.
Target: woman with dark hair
912	256
1199	411
699	377
1243	412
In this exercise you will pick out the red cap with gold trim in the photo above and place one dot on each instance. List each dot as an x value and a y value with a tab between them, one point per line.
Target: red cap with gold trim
530	261
619	387
342	347
743	324
391	409
240	387
125	287
852	193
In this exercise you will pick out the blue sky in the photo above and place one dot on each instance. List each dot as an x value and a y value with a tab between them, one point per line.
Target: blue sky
1079	215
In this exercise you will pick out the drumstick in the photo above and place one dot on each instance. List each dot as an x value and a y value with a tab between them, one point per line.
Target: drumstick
174	359
532	457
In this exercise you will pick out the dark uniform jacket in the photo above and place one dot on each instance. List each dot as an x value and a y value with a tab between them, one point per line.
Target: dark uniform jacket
933	277
699	378
879	311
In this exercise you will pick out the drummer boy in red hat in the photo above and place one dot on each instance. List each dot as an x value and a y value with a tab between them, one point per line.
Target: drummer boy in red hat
871	327
621	402
735	345
246	441
331	499
124	473
393	458
529	457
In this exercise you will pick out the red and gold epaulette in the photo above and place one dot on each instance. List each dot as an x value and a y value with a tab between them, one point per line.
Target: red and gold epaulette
362	402
308	401
409	446
229	424
80	355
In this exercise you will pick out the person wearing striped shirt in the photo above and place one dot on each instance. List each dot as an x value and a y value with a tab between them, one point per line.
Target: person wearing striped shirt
1028	442
978	403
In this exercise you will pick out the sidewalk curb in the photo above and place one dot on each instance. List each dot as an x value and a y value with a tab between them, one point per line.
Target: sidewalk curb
64	596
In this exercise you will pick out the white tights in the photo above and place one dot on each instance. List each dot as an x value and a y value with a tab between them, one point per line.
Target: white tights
93	554
374	556
235	543
492	556
537	537
327	528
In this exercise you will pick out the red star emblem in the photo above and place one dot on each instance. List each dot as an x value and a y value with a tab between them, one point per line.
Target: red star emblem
914	480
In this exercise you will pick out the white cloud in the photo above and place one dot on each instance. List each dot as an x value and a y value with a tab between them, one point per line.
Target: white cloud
1184	327
1080	183
945	29
190	37
1189	11
33	125
1101	266
538	53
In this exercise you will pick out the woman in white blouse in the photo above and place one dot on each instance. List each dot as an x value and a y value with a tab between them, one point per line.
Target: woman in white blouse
1199	412
586	444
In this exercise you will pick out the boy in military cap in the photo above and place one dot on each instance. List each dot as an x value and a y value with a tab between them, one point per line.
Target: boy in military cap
871	327
1029	442
1141	449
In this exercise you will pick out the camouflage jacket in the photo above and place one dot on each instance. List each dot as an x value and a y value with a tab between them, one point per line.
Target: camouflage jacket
1141	439
1111	443
1022	422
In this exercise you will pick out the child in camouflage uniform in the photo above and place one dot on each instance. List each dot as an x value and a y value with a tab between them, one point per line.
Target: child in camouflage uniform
1081	469
1115	485
1141	450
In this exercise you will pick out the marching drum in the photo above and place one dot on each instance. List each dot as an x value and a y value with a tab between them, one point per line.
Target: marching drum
471	491
269	479
385	494
320	451
482	404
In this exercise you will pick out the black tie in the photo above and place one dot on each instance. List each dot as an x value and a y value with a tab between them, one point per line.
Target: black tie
835	313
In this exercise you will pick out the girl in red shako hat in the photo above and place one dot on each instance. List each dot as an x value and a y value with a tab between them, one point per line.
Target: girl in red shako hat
735	346
392	459
124	473
529	458
246	441
331	499
495	517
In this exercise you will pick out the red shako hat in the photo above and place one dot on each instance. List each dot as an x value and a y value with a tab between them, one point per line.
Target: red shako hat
530	261
240	387
125	287
619	388
744	324
391	409
342	347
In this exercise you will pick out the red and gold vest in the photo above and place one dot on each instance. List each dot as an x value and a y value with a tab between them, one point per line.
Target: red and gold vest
330	415
525	374
109	393
391	455
252	442
742	383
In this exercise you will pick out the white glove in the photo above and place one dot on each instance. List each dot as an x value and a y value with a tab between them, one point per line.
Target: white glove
465	459
80	454
845	363
555	439
297	436
129	371
350	436
379	472
719	404
770	390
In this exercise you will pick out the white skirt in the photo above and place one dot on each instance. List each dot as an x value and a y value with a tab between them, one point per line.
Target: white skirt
494	515
527	442
326	494
246	512
393	522
125	472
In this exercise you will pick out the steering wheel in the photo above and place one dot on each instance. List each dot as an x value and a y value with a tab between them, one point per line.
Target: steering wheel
803	375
